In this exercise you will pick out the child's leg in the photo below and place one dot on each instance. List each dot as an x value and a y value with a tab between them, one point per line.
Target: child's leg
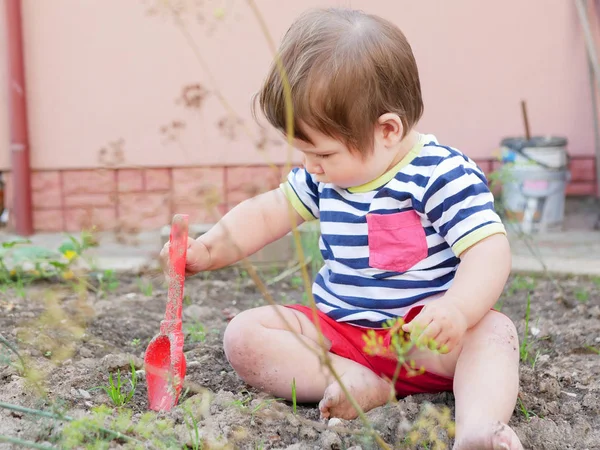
486	384
266	355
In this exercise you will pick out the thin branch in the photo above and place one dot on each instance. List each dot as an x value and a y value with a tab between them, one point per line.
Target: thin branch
28	444
40	413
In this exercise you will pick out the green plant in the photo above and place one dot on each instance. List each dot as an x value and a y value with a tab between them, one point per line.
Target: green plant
582	295
146	287
196	332
525	350
526	413
5	358
524	347
22	263
191	422
294	395
522	283
593	349
107	281
114	390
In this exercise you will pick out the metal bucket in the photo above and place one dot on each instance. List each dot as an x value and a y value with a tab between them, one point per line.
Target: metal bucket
534	182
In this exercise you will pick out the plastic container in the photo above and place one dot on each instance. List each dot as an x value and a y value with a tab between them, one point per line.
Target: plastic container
534	181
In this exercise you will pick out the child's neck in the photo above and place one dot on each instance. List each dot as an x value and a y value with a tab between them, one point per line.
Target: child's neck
405	146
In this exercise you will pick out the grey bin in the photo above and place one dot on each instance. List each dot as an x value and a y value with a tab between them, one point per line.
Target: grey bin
534	182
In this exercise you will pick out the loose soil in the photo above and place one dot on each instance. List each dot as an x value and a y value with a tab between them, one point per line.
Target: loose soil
75	340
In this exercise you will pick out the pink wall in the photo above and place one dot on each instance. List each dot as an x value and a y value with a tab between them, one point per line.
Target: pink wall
103	70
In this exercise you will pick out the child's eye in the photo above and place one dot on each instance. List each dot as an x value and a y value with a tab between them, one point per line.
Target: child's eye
323	156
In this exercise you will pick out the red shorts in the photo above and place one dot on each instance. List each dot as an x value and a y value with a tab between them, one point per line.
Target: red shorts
347	341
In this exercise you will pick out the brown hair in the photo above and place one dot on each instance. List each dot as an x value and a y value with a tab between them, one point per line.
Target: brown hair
345	69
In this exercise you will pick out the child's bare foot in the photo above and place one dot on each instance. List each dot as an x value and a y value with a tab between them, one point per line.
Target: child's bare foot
496	436
369	391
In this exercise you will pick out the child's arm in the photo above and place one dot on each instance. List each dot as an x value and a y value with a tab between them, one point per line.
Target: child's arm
477	285
247	228
480	278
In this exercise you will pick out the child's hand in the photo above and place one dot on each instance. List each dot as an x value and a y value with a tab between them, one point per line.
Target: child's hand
439	325
197	257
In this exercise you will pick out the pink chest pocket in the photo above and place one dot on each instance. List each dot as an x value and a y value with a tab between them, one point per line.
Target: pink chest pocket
396	241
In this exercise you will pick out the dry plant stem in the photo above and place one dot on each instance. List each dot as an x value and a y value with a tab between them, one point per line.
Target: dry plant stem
247	265
288	272
27	444
12	348
212	80
290	134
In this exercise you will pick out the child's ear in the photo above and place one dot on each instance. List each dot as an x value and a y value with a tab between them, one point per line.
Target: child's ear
389	129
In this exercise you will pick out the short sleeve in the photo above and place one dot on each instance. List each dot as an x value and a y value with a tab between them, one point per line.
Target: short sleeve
460	205
303	193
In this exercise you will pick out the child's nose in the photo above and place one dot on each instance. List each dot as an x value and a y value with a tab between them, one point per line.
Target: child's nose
312	167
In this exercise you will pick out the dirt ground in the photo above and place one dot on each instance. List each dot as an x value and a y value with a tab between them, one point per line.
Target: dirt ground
75	339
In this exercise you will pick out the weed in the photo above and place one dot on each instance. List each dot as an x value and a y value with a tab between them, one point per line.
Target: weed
244	404
499	304
294	395
522	283
146	287
22	263
582	295
107	282
135	342
524	348
593	349
296	282
192	425
526	413
195	332
90	432
115	390
6	359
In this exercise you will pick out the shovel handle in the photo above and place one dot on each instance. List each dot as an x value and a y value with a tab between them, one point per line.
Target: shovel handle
178	243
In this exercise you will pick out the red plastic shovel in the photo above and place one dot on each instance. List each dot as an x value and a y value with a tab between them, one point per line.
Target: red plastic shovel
164	360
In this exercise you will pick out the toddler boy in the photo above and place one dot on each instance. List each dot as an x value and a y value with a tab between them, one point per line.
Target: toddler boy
408	230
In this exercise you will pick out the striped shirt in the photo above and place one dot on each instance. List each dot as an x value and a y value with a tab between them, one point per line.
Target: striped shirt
395	242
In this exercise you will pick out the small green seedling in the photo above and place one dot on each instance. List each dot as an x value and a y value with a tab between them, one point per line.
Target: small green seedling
107	282
196	332
522	283
115	390
294	395
526	413
582	295
525	344
146	287
593	349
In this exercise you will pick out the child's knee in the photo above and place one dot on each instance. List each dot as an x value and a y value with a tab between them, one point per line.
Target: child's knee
238	342
498	329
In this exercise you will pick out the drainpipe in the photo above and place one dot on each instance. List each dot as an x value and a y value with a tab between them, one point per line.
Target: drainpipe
19	135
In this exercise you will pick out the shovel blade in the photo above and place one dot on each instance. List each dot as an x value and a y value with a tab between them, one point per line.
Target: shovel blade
165	367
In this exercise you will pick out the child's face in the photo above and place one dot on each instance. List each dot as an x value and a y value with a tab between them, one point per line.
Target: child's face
331	161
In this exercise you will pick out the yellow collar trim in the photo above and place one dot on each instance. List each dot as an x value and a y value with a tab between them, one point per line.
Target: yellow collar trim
386	177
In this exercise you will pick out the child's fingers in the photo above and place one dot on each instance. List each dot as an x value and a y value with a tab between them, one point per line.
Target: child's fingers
419	323
430	334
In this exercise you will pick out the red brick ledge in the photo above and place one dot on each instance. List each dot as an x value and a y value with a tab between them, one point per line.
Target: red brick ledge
131	200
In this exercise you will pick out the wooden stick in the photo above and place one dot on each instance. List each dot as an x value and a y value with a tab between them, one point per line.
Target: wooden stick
525	120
